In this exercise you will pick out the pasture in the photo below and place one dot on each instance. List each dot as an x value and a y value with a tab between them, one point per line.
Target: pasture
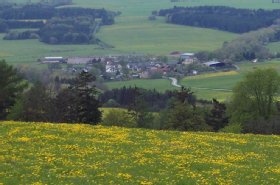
42	153
206	86
219	86
133	33
160	85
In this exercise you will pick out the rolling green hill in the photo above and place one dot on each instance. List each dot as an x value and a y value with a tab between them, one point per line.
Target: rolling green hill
41	153
133	33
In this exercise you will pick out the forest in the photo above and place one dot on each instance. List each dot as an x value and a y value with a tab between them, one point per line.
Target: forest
221	17
56	25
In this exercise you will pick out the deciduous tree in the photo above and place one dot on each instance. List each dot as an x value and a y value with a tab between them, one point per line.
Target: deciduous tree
255	96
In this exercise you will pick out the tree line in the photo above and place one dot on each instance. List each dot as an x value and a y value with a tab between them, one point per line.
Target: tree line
71	25
221	17
253	107
44	12
247	46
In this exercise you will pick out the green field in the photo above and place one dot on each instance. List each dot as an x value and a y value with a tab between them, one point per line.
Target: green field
133	33
158	84
34	153
209	86
274	47
205	86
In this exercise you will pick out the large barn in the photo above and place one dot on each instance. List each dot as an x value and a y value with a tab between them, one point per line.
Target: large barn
214	64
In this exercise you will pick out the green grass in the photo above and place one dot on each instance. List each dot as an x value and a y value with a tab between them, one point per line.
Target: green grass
209	87
133	33
274	47
139	35
158	84
34	153
205	86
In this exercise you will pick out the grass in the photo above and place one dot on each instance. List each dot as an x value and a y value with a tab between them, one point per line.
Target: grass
219	85
206	86
28	51
34	153
133	33
127	36
139	35
158	84
274	47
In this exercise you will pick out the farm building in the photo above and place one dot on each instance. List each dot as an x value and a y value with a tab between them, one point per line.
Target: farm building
185	56
214	64
51	60
83	60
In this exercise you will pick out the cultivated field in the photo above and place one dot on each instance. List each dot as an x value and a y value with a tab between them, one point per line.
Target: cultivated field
33	153
133	33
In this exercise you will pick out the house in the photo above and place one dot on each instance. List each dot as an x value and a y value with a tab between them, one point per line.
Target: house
112	67
194	72
52	60
185	56
214	64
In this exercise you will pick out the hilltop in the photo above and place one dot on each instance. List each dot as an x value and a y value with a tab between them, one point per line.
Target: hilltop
42	153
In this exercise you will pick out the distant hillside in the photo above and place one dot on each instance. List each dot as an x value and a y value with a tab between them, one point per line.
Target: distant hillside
34	153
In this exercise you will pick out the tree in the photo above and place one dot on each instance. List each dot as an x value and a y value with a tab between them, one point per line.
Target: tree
183	117
217	117
255	96
78	103
262	126
11	86
35	105
139	109
119	117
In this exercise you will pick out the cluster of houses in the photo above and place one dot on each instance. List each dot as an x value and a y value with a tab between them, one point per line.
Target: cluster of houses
129	67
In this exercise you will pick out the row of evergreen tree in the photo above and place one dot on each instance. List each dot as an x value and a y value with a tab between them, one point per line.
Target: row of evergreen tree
56	25
221	17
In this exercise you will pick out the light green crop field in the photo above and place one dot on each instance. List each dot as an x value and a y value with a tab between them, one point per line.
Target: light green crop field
133	33
220	86
158	84
42	153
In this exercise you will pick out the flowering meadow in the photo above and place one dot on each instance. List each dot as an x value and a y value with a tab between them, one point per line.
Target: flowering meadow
40	153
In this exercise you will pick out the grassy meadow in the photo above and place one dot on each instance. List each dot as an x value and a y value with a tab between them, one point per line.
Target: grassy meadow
219	85
274	47
133	33
42	153
206	86
158	84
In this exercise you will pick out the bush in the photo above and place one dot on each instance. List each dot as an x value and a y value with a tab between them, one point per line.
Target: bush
235	128
118	117
262	126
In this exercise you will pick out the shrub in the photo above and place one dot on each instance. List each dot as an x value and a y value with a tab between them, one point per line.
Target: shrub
262	126
235	128
118	117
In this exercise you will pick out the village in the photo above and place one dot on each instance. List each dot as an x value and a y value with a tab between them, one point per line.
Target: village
126	67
